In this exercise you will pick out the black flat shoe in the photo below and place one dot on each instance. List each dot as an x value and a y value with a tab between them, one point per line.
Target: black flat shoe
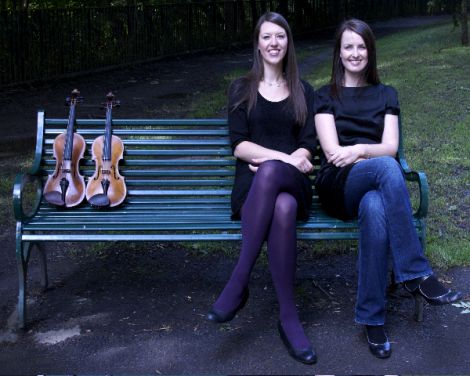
379	350
306	356
217	316
418	287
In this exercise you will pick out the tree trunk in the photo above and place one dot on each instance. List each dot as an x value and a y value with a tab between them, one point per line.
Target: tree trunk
283	8
464	22
241	16
254	13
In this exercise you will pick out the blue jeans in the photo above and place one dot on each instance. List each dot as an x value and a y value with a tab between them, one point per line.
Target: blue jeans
376	192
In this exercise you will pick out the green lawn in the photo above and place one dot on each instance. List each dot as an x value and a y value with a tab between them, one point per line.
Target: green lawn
432	75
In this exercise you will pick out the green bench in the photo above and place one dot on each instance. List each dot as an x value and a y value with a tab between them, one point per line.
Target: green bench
179	175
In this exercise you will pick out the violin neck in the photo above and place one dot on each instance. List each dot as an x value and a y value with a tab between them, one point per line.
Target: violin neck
69	136
108	136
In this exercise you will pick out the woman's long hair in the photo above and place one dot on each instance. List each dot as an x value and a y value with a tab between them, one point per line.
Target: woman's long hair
245	90
371	75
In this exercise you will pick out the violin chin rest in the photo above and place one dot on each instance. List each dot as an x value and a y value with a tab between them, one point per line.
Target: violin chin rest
99	201
54	198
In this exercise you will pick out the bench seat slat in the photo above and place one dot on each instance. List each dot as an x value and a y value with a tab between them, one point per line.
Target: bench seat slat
168	142
167	225
167	152
179	173
162	173
174	237
181	192
165	219
175	182
128	164
141	202
179	152
145	132
137	123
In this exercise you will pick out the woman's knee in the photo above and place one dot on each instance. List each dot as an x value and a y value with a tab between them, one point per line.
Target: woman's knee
371	208
285	208
269	169
268	178
390	166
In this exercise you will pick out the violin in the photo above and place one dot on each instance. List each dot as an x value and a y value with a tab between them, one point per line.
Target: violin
107	188
66	187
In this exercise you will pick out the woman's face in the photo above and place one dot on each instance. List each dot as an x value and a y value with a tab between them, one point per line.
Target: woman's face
353	53
272	43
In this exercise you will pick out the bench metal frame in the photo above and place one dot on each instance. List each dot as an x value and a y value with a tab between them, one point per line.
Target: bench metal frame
179	175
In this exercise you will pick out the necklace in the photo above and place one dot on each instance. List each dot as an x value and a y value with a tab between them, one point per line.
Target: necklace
277	83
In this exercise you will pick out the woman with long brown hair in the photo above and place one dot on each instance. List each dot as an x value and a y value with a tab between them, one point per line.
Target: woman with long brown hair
357	124
273	138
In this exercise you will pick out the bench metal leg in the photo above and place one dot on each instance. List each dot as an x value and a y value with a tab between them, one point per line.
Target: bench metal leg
418	299
419	308
22	258
23	253
392	286
422	235
44	274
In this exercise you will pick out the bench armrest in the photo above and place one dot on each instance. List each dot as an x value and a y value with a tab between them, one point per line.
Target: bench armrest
420	177
18	195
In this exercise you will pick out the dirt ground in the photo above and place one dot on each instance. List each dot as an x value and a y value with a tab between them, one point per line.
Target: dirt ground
139	308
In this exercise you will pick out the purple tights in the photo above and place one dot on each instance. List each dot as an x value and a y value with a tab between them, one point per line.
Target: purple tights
269	213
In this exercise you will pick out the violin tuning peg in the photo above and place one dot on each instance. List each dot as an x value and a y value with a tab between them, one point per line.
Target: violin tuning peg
74	97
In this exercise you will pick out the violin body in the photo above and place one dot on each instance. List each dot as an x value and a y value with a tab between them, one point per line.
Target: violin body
107	170
107	188
69	170
66	187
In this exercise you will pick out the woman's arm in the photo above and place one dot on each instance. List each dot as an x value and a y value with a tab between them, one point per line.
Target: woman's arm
342	156
255	154
249	152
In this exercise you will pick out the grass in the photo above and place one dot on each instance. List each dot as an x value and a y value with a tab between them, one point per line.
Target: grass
10	167
428	68
214	104
432	75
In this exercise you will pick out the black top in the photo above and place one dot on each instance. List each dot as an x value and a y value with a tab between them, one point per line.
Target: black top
359	118
273	126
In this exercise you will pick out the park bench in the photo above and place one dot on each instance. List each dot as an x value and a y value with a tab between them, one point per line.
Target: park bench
179	175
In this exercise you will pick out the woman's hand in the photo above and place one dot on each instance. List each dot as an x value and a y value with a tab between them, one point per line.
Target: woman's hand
256	163
345	155
302	163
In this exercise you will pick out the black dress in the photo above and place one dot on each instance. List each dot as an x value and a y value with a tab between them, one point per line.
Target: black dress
273	126
359	118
